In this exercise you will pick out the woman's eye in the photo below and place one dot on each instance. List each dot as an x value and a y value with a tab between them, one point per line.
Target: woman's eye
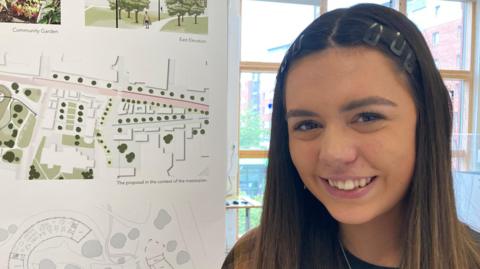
369	117
306	126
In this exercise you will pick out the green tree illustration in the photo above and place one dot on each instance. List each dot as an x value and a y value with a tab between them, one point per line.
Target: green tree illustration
138	6
187	4
130	157
168	138
122	148
88	174
9	156
177	8
122	4
128	5
196	9
10	143
33	174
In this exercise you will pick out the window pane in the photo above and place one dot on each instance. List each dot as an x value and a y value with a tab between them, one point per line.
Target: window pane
252	185
256	110
442	25
269	27
252	178
348	3
466	177
459	95
253	215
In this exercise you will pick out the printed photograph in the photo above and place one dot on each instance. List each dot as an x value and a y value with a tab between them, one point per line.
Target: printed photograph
31	11
182	16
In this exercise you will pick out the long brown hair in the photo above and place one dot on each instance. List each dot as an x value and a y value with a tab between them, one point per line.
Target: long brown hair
296	230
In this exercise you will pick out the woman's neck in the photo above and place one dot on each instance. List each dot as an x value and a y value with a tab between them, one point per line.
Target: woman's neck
379	241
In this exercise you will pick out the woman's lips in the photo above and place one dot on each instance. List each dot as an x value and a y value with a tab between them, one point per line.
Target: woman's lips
349	188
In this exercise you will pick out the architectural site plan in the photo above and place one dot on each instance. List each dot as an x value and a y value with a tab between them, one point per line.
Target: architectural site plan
112	134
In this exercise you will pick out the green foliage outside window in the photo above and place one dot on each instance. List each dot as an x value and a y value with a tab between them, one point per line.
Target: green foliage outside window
252	133
255	215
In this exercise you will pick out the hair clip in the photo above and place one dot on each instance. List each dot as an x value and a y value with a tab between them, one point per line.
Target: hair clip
297	46
373	34
408	64
284	63
393	45
282	68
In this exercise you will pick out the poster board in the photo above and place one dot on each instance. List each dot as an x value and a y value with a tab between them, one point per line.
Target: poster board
112	133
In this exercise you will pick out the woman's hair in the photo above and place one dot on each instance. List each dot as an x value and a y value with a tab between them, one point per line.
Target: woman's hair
296	230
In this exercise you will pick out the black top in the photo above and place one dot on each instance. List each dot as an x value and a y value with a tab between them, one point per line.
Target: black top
356	263
241	255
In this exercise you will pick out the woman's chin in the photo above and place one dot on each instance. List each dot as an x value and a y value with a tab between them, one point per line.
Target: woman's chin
350	217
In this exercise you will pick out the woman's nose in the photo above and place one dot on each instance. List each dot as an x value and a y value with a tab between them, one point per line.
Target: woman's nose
337	148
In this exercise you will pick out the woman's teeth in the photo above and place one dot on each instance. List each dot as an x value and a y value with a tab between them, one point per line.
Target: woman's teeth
350	184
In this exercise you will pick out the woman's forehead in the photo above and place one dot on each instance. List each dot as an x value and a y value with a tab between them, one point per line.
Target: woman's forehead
345	55
343	73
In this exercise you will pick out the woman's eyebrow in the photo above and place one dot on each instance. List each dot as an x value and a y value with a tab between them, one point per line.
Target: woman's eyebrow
367	101
300	113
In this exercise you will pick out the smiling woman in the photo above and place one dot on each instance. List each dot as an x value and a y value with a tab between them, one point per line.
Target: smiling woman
359	172
354	105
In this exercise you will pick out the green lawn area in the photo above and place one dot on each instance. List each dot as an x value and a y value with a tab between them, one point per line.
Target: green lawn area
105	17
44	171
27	132
18	111
188	26
77	174
55	171
5	99
33	94
12	122
6	135
51	173
17	156
69	140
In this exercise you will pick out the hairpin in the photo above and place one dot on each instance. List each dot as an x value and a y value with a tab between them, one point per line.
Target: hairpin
373	34
298	44
397	42
408	64
284	63
282	68
393	45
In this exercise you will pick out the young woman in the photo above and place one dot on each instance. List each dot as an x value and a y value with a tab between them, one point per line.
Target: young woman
359	172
